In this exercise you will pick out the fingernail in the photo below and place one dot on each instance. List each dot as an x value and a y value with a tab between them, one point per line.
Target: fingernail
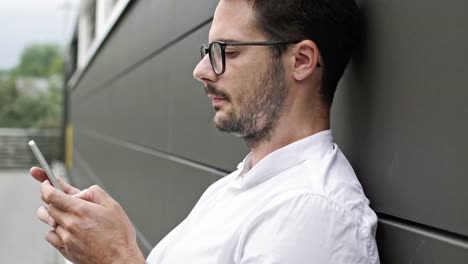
51	221
43	210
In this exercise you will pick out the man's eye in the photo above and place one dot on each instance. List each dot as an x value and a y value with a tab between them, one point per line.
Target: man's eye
232	53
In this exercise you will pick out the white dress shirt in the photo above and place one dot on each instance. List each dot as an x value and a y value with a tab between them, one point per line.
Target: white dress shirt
300	204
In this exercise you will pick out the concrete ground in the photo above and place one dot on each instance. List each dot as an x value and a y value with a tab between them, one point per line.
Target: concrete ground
22	234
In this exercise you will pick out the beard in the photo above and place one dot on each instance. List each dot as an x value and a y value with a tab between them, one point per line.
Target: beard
259	107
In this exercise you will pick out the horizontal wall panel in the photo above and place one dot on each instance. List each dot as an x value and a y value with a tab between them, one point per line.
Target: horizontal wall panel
135	109
79	176
400	112
189	13
146	27
399	243
156	193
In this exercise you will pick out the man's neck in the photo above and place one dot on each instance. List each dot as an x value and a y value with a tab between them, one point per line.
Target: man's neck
288	130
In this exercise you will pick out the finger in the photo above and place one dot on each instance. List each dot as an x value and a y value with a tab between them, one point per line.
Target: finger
43	198
62	233
61	218
54	239
67	188
65	237
44	216
65	202
83	195
97	195
40	175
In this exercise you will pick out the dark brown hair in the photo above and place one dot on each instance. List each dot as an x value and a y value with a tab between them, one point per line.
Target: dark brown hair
331	24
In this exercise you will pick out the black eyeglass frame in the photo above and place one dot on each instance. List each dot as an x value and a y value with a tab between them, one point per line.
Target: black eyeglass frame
204	50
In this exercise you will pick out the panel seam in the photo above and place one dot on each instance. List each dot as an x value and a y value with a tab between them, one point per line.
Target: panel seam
119	75
154	152
424	230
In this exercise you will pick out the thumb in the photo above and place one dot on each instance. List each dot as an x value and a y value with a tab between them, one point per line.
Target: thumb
83	195
95	194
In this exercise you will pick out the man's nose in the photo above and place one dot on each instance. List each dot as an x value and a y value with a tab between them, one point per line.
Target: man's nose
203	72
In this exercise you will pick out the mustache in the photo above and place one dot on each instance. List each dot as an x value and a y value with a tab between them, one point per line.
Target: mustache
211	89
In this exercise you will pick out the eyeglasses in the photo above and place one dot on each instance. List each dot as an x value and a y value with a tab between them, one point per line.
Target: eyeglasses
217	51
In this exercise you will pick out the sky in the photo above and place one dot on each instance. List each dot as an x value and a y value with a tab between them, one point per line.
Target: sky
23	22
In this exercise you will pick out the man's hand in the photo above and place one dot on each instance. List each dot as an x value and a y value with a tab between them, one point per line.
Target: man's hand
90	227
40	175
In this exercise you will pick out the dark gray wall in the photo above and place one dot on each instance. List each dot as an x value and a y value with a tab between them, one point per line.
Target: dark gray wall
143	126
400	116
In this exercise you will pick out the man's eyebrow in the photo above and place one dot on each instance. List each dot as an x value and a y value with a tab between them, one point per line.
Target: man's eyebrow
227	40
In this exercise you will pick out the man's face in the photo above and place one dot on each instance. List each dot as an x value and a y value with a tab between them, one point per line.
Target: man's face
248	97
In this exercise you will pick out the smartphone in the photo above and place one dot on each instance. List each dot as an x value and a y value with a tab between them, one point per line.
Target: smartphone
53	180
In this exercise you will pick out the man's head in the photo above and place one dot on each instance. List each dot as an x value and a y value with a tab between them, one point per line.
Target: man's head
260	83
331	24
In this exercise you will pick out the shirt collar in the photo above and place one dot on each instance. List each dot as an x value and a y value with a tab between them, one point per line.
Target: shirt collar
283	158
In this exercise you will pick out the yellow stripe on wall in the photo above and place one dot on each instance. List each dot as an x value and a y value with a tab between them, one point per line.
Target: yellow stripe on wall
69	146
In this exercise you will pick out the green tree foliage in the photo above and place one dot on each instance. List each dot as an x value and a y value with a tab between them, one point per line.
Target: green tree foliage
39	109
7	92
40	61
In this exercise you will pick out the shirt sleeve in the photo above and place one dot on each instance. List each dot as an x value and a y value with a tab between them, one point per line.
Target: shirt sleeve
304	228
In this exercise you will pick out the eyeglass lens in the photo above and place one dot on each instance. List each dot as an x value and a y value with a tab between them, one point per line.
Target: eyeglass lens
216	57
203	50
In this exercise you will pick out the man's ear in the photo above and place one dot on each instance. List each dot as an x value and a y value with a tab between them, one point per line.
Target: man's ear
306	59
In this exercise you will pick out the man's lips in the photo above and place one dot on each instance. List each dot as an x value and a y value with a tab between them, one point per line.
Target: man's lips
217	99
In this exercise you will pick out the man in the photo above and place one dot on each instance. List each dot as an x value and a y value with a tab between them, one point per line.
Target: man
270	70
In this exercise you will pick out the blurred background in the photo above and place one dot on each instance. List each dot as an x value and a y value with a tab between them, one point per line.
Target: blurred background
33	38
